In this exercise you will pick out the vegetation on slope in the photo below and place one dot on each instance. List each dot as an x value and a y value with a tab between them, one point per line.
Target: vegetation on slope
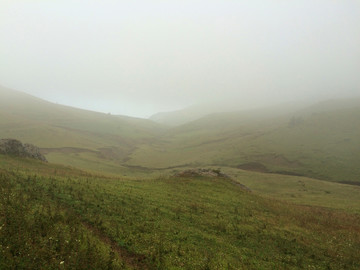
169	223
63	132
300	190
320	141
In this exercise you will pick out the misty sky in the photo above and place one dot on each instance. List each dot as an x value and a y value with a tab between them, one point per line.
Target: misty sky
142	57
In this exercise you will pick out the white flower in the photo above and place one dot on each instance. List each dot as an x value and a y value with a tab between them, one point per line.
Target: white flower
62	262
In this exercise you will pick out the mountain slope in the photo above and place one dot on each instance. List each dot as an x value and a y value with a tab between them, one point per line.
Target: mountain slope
320	141
198	111
183	116
63	131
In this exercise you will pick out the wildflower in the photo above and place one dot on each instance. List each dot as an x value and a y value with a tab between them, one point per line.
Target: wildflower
62	262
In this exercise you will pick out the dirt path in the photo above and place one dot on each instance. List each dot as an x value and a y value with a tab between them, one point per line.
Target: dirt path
136	261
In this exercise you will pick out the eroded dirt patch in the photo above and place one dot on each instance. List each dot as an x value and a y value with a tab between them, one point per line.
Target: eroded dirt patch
253	166
65	150
278	160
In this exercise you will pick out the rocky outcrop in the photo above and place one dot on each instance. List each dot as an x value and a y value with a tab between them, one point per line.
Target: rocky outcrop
201	172
16	148
212	173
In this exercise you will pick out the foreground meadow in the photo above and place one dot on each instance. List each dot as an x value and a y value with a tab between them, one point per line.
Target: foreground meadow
54	217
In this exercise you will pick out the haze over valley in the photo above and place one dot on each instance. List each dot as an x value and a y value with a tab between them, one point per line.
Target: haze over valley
141	58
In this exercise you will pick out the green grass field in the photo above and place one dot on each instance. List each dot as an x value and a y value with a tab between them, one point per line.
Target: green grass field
56	216
300	190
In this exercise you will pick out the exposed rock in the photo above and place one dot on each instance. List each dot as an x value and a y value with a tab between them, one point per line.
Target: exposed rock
242	186
201	172
253	166
16	148
210	173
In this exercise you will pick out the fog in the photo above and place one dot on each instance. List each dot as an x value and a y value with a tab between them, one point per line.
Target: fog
142	57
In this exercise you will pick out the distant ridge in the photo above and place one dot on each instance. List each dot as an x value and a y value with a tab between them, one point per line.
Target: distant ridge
180	117
196	112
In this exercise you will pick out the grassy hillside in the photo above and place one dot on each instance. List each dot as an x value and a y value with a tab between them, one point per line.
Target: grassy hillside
188	114
63	131
59	217
198	111
300	190
320	141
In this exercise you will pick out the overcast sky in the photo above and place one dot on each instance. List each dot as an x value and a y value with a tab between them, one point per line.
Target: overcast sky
142	57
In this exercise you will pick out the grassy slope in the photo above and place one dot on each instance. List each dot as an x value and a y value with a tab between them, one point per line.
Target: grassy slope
64	131
167	223
322	142
179	223
300	190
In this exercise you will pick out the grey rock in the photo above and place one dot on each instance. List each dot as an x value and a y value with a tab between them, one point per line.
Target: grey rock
16	148
201	172
211	173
